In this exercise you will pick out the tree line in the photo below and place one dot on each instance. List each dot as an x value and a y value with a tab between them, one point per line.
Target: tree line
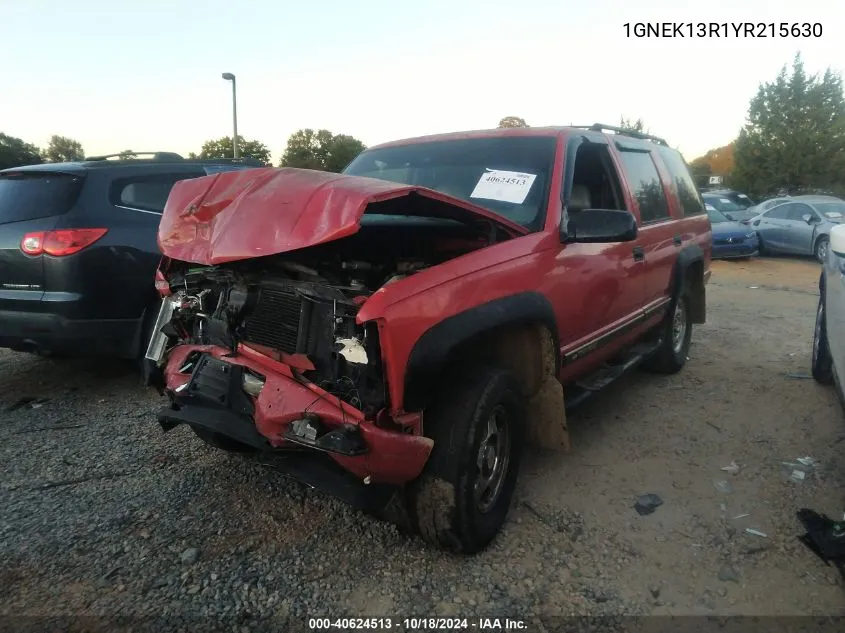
306	148
793	140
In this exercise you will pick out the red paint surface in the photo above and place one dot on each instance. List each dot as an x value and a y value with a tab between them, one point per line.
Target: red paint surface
394	457
249	213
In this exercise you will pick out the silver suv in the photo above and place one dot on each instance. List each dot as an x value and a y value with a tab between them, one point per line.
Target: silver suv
829	338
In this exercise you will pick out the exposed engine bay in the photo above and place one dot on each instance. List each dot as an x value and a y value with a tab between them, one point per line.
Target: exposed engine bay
300	308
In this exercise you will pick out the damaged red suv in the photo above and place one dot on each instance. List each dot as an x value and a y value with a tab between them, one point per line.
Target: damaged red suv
397	333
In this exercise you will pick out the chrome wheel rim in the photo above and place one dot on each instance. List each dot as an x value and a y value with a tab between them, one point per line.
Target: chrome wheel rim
817	332
492	460
821	251
679	327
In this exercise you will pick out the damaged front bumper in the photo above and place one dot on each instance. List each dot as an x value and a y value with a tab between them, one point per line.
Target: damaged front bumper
261	403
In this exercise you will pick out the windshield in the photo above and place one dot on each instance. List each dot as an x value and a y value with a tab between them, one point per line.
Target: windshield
716	217
831	210
742	201
725	205
509	176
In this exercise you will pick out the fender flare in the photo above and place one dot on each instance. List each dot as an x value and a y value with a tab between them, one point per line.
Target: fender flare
687	257
431	353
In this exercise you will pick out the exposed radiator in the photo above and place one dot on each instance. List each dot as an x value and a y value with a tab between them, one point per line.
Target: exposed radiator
275	321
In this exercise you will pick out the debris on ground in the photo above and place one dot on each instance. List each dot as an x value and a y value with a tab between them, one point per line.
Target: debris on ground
799	469
825	537
722	485
754	532
190	556
27	401
799	376
742	516
648	503
732	468
728	574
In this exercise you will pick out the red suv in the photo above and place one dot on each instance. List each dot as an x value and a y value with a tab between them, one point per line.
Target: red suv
395	334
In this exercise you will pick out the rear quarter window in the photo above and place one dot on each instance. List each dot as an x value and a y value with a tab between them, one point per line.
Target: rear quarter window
682	182
147	192
646	184
32	195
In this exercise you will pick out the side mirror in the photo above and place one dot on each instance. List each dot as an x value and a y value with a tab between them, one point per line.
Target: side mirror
837	240
807	218
601	226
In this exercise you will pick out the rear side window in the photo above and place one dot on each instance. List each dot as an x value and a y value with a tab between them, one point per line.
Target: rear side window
798	211
689	196
779	213
146	193
33	195
648	190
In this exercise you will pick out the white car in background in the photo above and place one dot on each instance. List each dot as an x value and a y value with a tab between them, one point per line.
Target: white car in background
829	337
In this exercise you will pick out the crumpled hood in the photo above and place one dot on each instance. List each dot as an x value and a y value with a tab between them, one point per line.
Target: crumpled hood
256	212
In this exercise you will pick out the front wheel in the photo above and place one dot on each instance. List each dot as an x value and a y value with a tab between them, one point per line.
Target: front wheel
462	498
676	335
822	360
820	251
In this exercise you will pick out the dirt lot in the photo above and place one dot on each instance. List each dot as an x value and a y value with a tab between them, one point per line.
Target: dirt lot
101	513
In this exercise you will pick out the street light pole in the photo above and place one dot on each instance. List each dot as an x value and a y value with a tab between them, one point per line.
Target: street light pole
231	77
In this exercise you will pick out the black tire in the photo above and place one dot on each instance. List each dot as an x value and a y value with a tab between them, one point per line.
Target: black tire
822	361
820	249
761	247
676	334
444	508
222	442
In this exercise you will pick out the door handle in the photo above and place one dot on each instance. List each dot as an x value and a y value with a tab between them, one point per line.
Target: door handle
639	254
677	240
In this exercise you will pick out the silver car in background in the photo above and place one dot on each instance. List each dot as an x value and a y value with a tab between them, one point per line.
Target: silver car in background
829	339
800	225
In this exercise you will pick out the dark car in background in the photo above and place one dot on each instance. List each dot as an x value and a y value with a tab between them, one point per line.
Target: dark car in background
731	206
731	240
739	199
800	226
79	251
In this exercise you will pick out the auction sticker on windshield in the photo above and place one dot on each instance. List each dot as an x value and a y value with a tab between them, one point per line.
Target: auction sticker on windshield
505	186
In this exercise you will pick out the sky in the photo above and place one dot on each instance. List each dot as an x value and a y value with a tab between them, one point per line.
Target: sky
146	75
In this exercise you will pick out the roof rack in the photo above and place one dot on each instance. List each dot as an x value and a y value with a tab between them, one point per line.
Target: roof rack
174	157
247	160
601	127
155	156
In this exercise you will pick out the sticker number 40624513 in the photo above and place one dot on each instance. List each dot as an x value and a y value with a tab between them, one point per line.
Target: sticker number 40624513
506	186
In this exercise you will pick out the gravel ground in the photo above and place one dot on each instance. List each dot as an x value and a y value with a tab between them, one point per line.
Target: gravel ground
104	515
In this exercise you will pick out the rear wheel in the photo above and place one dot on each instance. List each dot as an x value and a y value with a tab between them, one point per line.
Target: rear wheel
462	498
676	335
822	361
820	250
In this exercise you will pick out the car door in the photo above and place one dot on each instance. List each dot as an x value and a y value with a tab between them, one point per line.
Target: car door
596	289
770	227
834	271
797	231
660	236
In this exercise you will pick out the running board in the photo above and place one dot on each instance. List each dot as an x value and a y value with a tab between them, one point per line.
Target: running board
576	393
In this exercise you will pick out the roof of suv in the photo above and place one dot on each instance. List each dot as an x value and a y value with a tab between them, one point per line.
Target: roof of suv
519	131
164	159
